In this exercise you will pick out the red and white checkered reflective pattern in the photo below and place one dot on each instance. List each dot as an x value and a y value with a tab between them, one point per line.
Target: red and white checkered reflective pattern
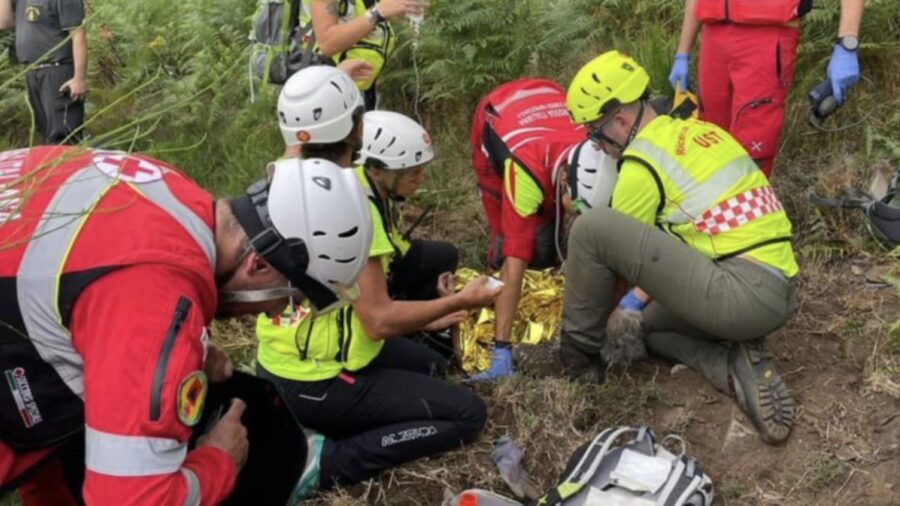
738	210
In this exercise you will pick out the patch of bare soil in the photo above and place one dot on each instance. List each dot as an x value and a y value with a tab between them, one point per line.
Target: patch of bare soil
845	448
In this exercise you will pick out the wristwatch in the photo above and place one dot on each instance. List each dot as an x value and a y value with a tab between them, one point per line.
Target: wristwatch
849	42
374	16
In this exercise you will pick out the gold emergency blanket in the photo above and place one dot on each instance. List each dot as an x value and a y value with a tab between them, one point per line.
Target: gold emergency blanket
538	316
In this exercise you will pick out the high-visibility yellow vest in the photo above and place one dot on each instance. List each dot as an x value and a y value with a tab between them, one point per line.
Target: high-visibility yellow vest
375	48
388	242
712	195
302	346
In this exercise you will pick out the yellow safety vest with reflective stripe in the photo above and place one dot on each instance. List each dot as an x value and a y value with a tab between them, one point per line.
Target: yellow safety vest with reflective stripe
712	195
375	48
302	346
388	242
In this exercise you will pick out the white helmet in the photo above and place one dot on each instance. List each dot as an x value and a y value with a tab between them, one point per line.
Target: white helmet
312	223
592	176
317	104
395	140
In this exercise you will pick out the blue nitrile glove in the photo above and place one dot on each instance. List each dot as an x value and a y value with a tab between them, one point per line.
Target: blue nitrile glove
680	69
631	302
501	364
843	71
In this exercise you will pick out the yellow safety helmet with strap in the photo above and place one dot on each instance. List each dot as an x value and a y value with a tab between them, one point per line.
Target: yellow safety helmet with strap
603	84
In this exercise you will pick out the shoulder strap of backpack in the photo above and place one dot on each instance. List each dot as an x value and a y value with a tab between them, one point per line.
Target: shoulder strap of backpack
689	475
585	469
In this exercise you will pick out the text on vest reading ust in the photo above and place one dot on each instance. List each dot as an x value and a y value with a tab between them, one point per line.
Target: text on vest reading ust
10	170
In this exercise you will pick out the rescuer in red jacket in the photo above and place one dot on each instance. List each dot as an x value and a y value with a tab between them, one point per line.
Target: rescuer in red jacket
520	139
111	267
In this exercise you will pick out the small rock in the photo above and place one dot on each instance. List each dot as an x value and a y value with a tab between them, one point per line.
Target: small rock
677	368
739	436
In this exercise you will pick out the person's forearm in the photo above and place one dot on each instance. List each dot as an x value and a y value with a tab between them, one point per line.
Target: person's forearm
398	318
80	53
851	17
512	273
7	17
332	36
689	28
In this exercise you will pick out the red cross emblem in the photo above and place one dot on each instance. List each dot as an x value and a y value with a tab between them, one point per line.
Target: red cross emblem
128	168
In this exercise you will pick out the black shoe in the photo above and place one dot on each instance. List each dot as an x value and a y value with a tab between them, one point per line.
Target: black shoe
578	365
760	391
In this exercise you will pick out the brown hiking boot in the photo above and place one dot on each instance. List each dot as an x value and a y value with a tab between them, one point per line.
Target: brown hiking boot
760	391
580	366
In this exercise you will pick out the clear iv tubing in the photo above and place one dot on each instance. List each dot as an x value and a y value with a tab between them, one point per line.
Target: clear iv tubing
416	21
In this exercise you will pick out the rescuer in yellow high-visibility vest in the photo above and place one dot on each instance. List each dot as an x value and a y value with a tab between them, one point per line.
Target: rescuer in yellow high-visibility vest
695	224
355	30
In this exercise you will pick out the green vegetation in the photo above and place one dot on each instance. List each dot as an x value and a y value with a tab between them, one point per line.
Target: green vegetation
171	79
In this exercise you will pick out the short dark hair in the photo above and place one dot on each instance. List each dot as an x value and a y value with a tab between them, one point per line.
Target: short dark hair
331	151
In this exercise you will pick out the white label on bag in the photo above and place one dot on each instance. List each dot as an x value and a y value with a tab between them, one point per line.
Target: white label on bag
641	473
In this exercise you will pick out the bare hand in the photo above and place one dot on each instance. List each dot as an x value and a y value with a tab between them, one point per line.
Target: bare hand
476	293
394	8
218	365
358	70
445	322
77	88
230	435
445	284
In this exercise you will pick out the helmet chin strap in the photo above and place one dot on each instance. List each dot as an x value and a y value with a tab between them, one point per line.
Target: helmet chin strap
631	134
264	295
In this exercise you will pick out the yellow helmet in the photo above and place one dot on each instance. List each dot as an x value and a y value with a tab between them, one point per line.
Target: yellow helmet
604	83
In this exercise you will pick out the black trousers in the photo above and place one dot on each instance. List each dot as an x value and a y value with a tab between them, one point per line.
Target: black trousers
414	277
55	115
391	412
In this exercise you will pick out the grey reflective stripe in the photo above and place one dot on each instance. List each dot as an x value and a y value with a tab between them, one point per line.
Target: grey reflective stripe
37	278
192	498
45	256
159	193
118	455
698	196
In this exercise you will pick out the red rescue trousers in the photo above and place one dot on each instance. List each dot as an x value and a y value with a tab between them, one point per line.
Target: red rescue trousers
44	482
745	75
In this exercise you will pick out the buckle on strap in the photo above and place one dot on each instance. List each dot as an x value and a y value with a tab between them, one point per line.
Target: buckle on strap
266	242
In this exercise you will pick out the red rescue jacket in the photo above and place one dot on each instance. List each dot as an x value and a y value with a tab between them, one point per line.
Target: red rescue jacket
522	123
751	12
106	286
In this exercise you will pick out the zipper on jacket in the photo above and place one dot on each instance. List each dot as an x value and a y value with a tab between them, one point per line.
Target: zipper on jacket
348	318
162	362
727	13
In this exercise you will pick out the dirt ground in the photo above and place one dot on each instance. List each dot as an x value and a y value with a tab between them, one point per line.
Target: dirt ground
845	448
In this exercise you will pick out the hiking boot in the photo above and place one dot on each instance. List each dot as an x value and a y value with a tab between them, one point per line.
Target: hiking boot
760	391
580	366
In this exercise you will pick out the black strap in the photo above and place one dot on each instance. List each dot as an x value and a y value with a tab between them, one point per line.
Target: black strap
851	198
758	245
419	220
290	257
572	172
656	178
387	222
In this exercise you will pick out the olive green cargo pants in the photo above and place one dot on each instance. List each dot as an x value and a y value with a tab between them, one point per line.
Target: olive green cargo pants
698	304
